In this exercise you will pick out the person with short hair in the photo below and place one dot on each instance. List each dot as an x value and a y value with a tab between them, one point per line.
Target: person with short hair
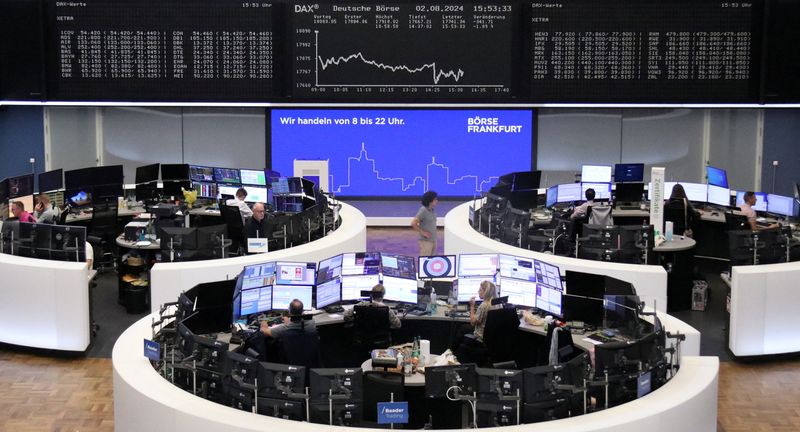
747	209
18	210
376	299
294	320
582	209
44	212
258	226
487	292
424	223
238	201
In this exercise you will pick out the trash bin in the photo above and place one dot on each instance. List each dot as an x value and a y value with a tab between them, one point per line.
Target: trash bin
136	299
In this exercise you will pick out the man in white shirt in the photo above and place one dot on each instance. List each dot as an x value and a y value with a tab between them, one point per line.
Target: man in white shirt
747	210
581	210
244	209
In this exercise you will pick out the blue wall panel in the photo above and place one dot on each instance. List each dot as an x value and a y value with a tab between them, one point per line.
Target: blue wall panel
21	138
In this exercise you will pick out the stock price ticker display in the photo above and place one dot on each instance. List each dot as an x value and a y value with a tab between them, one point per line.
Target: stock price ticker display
213	50
644	50
404	51
405	152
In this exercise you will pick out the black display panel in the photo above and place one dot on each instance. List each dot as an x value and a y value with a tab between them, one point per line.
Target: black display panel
21	53
644	51
160	50
404	51
782	58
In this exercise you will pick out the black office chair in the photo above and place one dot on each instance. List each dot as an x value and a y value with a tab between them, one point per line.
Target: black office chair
233	219
381	386
736	222
499	333
566	348
300	348
102	234
371	327
676	213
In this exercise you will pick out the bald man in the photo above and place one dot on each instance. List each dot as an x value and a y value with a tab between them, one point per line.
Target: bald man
258	226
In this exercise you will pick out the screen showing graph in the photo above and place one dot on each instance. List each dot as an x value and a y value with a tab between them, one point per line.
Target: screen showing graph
406	152
403	51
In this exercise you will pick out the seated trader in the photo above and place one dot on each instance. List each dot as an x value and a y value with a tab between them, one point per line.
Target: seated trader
293	321
487	292
44	212
244	210
258	226
680	211
581	210
377	300
747	210
18	210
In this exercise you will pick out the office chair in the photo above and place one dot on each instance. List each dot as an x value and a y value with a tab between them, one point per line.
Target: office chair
736	222
300	348
599	215
371	328
499	334
381	386
281	230
675	214
102	233
233	219
565	348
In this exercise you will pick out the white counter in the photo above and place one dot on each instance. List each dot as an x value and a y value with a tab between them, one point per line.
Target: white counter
650	281
45	304
168	280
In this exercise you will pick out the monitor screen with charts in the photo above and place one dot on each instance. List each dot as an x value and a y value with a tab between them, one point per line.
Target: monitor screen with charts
329	268
548	275
601	190
201	173
256	300
257	194
353	285
258	275
519	292
253	177
227	175
548	299
596	173
467	288
401	266
439	266
282	295
400	290
223	189
295	273
328	293
568	192
477	265
361	263
517	267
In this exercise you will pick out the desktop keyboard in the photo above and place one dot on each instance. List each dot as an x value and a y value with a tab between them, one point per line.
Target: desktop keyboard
629	207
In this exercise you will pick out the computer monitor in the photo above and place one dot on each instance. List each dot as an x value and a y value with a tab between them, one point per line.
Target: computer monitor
517	267
210	240
628	192
26	201
761	200
206	190
68	243
548	274
399	266
361	263
147	173
147	192
601	190
343	384
77	179
697	192
596	173
280	185
717	176
628	172
175	172
34	240
548	300
551	197
437	266
21	186
51	180
253	177
282	295
525	180
622	314
354	284
569	192
255	300
545	394
295	185
308	187
296	273
178	238
329	268
450	381
258	275
256	194
210	354
719	195
199	173
281	380
519	292
226	189
327	293
400	289
286	409
227	175
667	190
782	205
499	383
467	287
589	310
477	265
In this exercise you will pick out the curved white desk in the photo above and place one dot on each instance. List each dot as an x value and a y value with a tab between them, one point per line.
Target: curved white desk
143	400
650	281
168	280
45	304
764	318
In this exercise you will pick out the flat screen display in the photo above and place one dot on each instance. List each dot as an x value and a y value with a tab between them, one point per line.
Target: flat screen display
696	191
596	173
361	263
719	195
467	288
438	266
761	200
568	192
51	180
256	194
517	268
548	299
629	172
256	300
206	190
329	268
27	201
781	205
179	172
400	266
282	295
400	290
717	176
328	293
295	273
365	162
519	292
353	285
548	275
552	196
223	189
258	275
601	190
477	265
201	173
20	186
253	177
227	175
147	173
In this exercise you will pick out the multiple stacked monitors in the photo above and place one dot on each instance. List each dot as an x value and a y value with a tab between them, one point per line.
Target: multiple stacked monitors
596	173
272	286
43	241
629	172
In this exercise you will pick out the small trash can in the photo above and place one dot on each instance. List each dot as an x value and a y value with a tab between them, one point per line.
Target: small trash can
136	299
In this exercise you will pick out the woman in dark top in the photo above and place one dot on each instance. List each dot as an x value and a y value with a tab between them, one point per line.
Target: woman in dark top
680	211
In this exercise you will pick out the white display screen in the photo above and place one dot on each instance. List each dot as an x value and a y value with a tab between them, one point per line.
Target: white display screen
719	195
258	275
291	273
568	192
400	290
226	190
468	288
596	173
256	194
353	285
781	205
253	177
548	299
477	265
329	268
696	191
256	300
361	263
282	295
519	292
601	190
517	268
328	293
548	274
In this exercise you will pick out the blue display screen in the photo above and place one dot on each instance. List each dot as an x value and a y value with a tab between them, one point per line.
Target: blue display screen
406	152
717	176
631	172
